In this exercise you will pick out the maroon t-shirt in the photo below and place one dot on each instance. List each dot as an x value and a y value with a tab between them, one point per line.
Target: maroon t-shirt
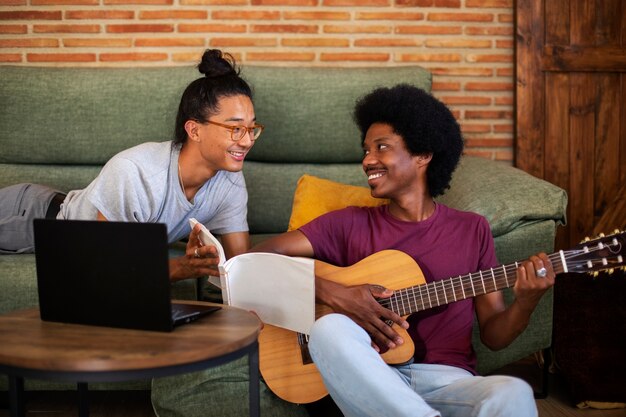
447	244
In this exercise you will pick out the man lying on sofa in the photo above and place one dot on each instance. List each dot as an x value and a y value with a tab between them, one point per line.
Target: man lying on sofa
196	175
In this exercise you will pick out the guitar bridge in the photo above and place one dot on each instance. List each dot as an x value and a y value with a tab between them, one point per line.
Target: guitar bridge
303	342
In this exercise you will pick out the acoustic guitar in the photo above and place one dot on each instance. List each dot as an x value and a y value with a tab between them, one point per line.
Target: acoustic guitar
286	365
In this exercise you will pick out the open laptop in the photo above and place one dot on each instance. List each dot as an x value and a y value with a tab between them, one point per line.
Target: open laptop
107	274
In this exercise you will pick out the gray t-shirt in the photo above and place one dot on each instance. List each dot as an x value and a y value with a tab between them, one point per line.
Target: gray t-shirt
141	184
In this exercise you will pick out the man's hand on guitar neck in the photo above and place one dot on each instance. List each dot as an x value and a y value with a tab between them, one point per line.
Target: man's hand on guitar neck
359	303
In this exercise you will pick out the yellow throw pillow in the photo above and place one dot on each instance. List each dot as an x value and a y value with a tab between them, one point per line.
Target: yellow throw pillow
316	196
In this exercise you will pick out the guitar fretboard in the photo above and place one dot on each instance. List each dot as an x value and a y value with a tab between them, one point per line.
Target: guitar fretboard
441	292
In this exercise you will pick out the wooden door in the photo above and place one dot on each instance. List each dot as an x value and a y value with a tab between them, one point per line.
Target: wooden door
571	104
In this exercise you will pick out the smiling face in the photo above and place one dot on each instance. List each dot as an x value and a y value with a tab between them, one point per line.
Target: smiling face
391	170
217	150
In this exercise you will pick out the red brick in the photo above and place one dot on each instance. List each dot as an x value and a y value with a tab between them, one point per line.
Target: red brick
245	15
354	57
435	57
173	14
11	58
489	142
472	128
490	58
170	42
492	4
505	44
505	128
31	15
462	71
504	72
357	3
132	56
284	29
66	29
448	3
316	15
13	3
460	17
458	43
284	2
504	156
428	30
488	86
446	86
466	100
13	29
389	16
62	57
210	28
504	101
221	42
28	43
213	2
479	152
155	2
489	30
415	3
390	42
505	18
488	114
139	28
279	56
356	29
64	2
99	14
97	43
313	42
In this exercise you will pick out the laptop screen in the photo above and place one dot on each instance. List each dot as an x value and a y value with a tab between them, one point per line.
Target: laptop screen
103	273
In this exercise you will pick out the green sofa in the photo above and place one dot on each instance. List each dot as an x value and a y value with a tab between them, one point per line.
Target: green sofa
58	126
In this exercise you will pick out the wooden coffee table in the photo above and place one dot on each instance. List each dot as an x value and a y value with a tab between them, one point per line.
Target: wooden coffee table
32	348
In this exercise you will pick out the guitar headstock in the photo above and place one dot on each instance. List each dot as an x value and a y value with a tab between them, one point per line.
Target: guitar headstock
604	253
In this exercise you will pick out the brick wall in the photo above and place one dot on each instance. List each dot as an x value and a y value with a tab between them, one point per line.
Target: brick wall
467	44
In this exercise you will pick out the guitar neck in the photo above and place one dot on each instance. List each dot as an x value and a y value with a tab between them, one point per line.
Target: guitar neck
441	292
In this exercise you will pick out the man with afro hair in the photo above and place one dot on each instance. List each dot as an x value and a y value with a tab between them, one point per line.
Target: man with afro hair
411	146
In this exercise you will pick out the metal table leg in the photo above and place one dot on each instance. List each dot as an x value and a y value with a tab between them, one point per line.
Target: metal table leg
83	399
16	396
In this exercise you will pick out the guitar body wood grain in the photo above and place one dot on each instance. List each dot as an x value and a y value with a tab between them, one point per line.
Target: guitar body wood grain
281	359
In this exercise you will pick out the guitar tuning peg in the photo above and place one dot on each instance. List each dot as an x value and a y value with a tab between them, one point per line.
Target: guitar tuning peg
601	235
610	271
616	231
586	239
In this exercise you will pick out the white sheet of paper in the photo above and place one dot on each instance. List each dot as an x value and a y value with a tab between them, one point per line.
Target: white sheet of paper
280	289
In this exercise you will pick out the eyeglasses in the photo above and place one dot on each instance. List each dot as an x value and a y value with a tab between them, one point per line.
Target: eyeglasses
238	132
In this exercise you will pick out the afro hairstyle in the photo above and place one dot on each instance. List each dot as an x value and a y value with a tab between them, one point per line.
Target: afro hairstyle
425	124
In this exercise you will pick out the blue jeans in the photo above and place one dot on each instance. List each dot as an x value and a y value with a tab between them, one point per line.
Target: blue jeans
362	384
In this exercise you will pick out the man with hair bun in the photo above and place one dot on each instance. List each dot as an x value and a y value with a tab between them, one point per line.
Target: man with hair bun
198	174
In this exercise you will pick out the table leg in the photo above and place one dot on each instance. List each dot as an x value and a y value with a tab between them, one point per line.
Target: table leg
16	396
83	399
254	390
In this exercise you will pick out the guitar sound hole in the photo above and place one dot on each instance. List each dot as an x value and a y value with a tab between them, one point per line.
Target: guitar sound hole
303	342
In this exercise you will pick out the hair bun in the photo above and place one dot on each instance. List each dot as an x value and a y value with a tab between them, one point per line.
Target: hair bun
215	63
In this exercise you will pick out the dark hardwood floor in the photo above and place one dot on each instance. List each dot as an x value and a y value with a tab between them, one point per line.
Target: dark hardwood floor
137	404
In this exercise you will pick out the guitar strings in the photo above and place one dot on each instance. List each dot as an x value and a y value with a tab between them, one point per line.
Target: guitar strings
405	301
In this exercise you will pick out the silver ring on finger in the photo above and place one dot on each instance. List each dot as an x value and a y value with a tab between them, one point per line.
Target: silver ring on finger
195	253
541	272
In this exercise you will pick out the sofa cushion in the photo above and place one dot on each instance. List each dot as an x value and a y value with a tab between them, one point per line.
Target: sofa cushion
315	196
307	112
129	106
506	196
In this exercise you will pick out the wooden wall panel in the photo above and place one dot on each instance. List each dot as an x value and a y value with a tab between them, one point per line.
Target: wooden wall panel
571	104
